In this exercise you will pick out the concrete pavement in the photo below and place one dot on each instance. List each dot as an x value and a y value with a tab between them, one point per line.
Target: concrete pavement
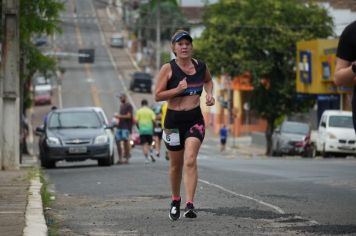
21	210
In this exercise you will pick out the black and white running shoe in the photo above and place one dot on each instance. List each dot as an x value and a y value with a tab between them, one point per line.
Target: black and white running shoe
190	211
174	213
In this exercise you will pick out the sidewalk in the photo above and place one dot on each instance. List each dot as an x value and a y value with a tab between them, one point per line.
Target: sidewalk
236	146
21	211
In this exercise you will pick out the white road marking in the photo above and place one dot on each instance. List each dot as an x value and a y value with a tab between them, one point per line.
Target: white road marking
276	208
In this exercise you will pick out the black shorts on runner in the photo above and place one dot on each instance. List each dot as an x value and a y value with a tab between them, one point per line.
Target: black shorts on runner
180	125
146	138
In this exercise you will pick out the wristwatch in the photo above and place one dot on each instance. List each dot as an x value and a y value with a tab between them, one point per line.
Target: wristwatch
353	67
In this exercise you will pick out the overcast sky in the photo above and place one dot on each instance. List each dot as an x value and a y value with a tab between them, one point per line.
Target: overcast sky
195	2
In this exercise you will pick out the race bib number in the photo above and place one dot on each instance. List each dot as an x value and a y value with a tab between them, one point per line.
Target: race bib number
171	136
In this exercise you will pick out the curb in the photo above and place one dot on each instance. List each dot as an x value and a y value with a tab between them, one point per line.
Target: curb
34	217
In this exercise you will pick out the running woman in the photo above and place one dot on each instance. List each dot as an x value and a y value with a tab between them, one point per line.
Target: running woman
180	83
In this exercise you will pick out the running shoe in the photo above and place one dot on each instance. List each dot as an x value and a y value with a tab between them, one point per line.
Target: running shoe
190	211
152	158
174	213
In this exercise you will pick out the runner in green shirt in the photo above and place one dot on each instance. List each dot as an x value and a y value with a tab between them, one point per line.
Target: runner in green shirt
145	119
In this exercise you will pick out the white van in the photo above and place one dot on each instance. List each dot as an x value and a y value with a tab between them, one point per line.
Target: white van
336	134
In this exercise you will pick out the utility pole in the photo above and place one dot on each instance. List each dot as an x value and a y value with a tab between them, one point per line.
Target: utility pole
10	88
158	37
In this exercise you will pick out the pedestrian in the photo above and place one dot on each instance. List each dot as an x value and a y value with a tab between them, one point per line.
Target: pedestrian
46	116
345	69
145	119
123	129
223	137
158	130
181	83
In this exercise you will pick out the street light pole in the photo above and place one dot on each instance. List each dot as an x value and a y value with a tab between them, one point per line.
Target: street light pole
10	88
158	37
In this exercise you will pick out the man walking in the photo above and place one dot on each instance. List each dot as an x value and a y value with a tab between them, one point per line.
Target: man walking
145	120
123	130
223	137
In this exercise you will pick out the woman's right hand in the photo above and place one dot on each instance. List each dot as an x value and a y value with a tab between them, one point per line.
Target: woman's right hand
182	85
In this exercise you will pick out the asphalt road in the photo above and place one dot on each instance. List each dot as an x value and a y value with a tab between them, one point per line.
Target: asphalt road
236	195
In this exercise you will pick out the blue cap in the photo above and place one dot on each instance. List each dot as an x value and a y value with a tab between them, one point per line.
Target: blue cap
182	35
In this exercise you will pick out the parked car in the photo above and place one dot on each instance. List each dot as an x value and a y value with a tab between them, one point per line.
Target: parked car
117	41
293	138
76	134
141	81
336	134
42	94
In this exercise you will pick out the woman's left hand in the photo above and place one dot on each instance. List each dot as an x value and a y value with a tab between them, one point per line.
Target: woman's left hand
210	100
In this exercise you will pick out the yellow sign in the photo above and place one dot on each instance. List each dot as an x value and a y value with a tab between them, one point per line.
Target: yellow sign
316	66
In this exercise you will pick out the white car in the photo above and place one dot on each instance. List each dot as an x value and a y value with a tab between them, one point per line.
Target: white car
336	134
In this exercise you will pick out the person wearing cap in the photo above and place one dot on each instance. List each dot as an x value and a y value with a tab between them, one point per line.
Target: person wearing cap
180	83
124	129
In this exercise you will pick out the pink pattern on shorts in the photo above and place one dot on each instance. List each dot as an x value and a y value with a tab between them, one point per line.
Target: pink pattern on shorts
198	127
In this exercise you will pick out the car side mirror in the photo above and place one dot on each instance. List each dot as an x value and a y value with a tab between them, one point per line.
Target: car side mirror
277	131
323	124
40	130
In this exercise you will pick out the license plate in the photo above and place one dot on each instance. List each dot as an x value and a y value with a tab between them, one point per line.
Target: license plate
142	85
345	148
76	150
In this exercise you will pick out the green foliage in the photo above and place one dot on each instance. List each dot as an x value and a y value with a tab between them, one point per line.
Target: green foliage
260	36
171	19
40	17
165	57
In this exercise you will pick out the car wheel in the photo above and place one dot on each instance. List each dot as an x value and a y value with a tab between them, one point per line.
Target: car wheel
310	151
276	152
105	162
112	159
48	164
324	153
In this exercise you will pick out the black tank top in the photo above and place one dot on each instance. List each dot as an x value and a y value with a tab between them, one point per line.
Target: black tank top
195	82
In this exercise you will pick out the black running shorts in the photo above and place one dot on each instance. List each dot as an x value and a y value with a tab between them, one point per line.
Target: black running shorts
180	125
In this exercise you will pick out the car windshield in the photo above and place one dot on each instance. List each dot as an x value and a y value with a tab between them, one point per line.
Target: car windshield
116	40
340	122
295	128
75	119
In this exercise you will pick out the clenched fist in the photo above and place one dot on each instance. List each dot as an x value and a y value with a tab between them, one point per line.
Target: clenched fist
210	100
182	85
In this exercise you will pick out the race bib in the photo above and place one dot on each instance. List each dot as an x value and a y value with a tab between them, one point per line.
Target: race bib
171	136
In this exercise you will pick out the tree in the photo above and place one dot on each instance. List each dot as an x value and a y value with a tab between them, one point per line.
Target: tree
40	17
259	36
171	19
